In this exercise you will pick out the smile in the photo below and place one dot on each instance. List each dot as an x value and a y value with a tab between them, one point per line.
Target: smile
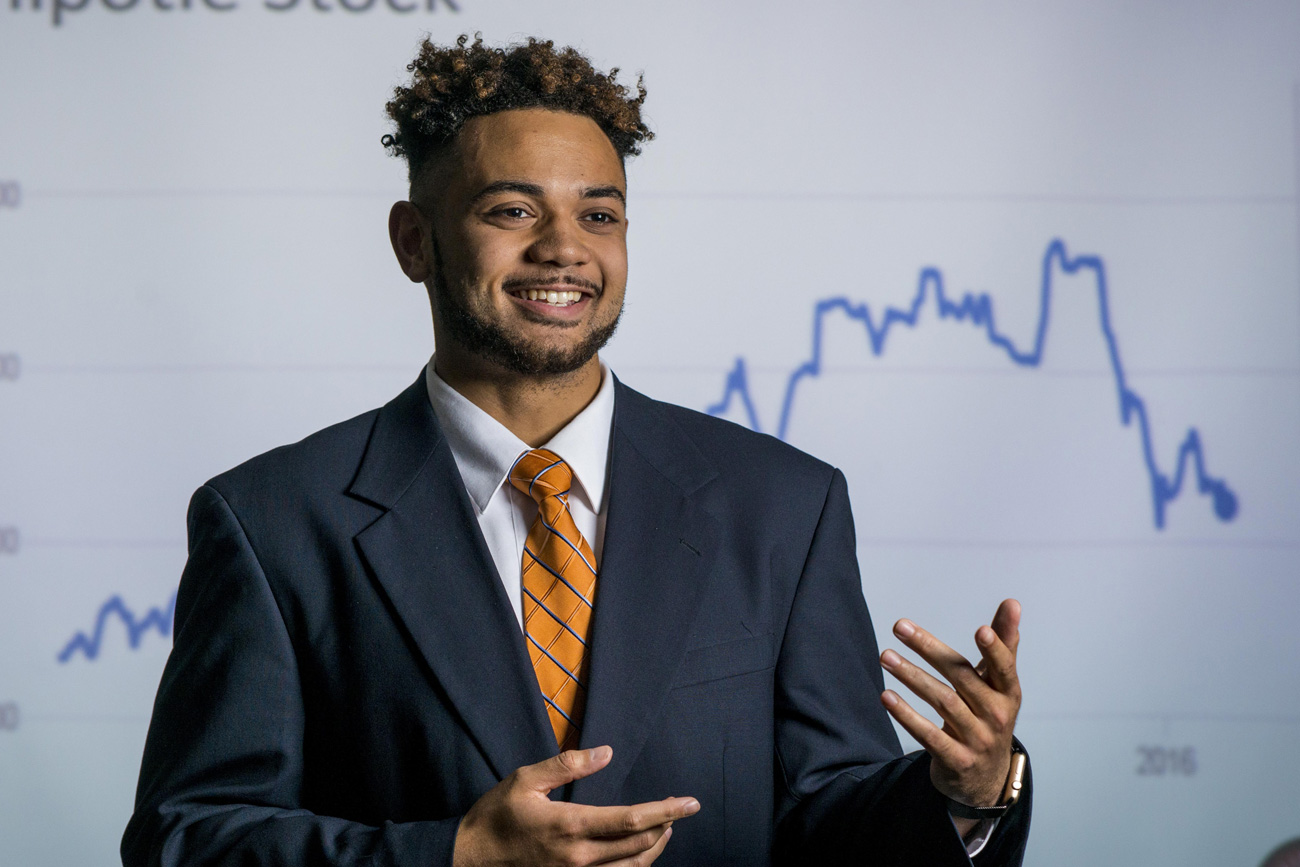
561	298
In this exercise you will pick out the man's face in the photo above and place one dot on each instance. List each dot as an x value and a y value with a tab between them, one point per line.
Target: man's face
530	241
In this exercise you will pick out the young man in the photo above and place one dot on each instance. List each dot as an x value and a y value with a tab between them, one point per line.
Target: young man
525	615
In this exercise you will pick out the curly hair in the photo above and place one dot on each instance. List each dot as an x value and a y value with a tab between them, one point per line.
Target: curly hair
450	85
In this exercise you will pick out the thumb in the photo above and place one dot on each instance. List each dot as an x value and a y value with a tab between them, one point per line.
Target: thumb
1006	623
560	770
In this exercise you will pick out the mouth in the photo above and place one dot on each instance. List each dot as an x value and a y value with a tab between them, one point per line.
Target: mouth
557	302
550	296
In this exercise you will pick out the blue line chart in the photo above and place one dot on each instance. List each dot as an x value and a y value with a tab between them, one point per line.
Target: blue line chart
977	309
158	619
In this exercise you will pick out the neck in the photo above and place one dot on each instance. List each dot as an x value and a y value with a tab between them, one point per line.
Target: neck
533	408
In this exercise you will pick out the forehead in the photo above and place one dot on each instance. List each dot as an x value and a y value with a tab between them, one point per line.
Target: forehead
554	149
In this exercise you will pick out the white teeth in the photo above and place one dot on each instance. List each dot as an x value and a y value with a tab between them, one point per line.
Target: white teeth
560	299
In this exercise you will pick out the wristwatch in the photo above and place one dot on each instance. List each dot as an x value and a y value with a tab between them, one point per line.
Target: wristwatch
1010	794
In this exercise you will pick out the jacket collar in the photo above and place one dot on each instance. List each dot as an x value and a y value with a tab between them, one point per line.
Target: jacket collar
428	555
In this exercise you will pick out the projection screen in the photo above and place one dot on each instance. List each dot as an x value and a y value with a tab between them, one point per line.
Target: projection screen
1027	272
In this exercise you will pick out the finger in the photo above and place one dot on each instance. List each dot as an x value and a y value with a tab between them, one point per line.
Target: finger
645	858
1006	623
933	739
623	821
998	666
948	662
614	850
563	769
934	692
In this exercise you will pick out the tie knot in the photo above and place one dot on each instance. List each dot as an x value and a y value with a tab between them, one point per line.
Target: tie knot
541	473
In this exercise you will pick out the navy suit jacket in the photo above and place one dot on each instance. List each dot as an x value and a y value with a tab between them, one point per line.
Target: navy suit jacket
348	676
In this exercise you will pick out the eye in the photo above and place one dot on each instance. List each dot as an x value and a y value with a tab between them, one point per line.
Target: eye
601	218
513	212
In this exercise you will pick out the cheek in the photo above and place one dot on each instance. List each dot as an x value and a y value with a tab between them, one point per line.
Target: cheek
481	258
477	282
613	265
494	260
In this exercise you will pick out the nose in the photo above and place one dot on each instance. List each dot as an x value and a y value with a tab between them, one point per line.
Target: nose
560	243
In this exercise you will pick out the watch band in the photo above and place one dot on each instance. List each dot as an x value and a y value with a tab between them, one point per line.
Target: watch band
1010	794
966	811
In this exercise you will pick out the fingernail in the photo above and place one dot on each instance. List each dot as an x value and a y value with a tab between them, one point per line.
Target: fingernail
891	659
984	636
904	628
889	698
599	754
668	832
691	806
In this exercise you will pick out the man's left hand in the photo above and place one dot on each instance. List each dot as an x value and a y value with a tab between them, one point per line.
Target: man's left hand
971	754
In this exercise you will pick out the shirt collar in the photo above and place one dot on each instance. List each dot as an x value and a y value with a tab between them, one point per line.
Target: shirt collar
485	449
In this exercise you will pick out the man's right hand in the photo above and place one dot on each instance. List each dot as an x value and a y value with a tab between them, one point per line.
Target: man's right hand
517	824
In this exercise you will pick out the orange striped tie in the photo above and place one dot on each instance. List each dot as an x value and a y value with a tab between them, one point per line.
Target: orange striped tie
559	579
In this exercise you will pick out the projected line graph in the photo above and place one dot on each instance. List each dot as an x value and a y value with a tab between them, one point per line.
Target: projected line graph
977	309
157	619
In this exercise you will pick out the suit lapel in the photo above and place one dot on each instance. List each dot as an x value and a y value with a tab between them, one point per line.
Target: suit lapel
657	551
428	554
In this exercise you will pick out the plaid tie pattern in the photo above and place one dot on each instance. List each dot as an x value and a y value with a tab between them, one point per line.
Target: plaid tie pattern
559	583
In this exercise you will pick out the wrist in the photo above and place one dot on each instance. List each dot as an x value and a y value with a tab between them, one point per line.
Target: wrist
1010	794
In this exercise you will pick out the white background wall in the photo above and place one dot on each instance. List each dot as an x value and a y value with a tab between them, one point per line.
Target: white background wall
194	268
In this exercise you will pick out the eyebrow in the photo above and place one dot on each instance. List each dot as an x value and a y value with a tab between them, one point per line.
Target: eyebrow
527	188
610	192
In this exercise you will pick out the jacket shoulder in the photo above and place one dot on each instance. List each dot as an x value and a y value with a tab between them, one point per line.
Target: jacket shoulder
328	457
733	449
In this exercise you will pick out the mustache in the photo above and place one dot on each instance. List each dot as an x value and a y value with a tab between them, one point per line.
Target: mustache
514	283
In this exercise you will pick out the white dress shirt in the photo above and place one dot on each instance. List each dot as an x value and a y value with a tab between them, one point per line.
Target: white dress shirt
485	450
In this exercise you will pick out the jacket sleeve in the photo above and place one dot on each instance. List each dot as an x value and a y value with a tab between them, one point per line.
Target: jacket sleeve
222	773
844	793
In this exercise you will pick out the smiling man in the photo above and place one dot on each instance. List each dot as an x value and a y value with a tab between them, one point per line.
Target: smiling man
520	230
525	615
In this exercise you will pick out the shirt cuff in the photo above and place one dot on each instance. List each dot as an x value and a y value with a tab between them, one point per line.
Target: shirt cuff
979	836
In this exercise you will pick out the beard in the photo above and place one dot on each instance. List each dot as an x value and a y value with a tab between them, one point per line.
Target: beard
486	339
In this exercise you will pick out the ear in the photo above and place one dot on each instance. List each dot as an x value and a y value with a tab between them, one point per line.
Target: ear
408	229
